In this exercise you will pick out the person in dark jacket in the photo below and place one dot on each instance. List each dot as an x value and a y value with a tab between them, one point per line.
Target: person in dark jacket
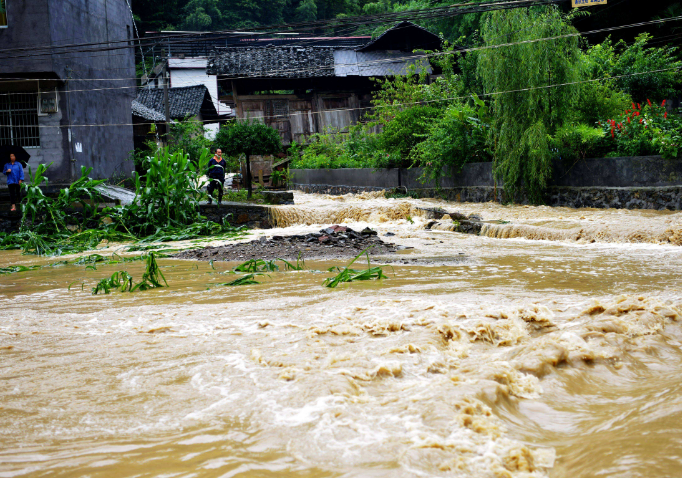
216	176
15	176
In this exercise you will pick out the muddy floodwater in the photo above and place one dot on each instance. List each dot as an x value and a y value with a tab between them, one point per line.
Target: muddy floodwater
548	346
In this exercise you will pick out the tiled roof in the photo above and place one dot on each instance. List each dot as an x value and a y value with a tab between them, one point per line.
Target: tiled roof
146	113
200	44
378	63
183	101
405	36
273	62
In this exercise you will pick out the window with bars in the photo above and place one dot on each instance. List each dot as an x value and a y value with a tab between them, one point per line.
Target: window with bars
19	120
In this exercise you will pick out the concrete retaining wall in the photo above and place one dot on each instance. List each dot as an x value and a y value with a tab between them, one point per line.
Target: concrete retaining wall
238	214
648	182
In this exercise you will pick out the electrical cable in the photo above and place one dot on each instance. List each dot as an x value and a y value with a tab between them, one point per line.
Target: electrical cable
411	56
453	10
494	93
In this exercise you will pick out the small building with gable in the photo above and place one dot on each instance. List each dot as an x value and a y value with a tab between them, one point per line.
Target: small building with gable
305	89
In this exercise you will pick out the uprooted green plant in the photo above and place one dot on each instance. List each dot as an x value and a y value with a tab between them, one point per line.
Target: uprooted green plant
288	266
261	265
19	268
120	280
247	279
152	276
351	275
257	265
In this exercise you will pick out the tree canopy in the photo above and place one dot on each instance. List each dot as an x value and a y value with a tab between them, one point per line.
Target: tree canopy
206	15
248	138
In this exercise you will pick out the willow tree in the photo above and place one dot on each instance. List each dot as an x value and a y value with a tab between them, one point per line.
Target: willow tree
528	103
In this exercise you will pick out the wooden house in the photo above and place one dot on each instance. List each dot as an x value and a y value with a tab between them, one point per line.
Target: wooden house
305	89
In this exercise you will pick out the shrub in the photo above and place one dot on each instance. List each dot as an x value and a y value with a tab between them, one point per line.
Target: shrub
574	142
187	137
453	140
407	129
598	100
643	130
335	150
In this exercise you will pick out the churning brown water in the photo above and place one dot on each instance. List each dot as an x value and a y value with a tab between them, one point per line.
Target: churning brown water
529	358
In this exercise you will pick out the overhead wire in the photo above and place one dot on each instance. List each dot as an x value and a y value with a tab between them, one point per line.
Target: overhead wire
437	100
452	10
411	56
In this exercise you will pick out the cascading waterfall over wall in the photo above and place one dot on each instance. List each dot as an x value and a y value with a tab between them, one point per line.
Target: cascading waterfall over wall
624	233
292	215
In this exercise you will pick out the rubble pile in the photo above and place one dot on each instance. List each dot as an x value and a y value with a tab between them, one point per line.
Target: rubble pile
330	242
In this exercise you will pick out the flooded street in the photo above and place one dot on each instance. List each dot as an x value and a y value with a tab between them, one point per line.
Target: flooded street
548	346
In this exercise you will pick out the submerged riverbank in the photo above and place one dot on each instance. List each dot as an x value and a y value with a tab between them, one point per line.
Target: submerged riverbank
549	357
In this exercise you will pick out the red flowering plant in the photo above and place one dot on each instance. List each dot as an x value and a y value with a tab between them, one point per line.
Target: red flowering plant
645	129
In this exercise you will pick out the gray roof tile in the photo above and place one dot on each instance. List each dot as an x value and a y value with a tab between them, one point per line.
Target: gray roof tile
274	62
183	101
147	113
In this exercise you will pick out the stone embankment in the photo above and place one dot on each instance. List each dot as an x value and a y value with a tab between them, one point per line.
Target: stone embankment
649	182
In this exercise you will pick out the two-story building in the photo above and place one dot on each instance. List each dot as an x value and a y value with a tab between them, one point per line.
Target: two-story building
67	80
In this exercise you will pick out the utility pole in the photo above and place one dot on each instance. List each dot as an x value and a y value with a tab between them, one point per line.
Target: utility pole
72	158
166	103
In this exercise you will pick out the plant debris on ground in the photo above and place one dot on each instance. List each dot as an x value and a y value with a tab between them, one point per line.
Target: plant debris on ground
331	242
165	208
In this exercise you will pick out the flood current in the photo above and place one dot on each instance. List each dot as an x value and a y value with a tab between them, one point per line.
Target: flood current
548	346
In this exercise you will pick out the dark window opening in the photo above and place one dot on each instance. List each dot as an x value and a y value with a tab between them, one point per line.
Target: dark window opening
19	120
335	103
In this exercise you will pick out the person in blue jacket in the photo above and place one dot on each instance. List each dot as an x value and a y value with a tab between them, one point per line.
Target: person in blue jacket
15	176
216	176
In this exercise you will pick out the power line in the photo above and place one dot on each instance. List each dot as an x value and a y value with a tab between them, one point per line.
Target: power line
494	93
425	14
406	57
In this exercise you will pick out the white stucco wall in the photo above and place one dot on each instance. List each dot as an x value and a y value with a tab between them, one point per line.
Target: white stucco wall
192	71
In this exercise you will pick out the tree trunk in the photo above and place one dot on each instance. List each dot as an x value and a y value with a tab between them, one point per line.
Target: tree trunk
248	177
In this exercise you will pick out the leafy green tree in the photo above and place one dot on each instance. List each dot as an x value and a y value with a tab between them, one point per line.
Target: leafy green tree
252	13
188	137
158	14
525	111
607	60
248	138
202	15
306	11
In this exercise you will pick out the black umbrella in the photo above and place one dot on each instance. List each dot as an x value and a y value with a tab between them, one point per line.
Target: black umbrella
20	153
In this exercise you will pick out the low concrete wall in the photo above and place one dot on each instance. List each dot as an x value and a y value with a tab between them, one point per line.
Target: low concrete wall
637	172
648	182
238	214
